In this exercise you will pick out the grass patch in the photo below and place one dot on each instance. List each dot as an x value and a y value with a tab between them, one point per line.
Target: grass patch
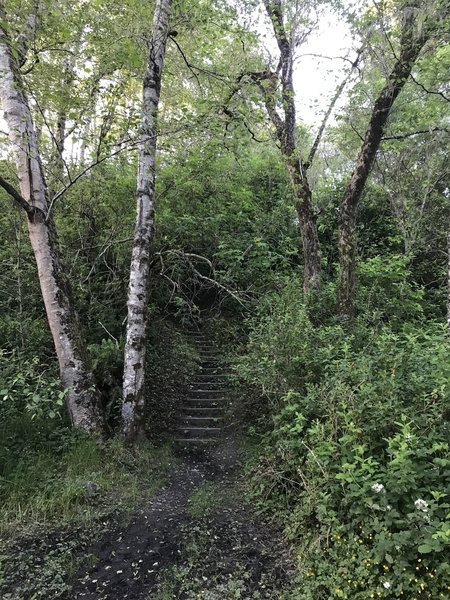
56	507
80	482
169	586
204	501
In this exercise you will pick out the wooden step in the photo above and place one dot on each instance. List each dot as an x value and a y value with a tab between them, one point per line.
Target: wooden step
213	411
201	415
191	442
213	375
209	385
204	402
205	393
197	421
199	432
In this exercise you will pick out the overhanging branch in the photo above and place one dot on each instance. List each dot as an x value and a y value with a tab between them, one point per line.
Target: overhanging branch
18	198
427	91
404	136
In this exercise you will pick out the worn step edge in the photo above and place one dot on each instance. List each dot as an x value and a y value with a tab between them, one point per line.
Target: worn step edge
201	413
199	408
216	400
200	384
204	405
202	392
212	374
222	389
189	420
206	429
192	441
207	400
220	399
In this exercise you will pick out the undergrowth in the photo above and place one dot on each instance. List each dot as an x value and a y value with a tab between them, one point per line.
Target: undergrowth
356	463
79	481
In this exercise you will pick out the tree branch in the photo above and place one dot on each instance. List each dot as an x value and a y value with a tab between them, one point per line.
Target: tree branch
214	282
441	94
19	199
268	93
324	56
404	136
273	8
189	257
335	98
192	68
132	143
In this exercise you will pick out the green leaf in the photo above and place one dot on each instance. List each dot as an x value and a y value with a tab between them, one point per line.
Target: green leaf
425	549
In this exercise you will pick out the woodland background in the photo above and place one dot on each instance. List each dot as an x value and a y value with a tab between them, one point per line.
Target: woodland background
343	397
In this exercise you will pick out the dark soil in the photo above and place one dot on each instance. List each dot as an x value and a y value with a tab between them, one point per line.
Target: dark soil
195	538
164	552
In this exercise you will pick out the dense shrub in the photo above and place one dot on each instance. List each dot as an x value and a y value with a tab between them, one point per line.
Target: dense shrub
387	291
357	463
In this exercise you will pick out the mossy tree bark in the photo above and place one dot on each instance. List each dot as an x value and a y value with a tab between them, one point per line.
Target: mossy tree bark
410	46
286	136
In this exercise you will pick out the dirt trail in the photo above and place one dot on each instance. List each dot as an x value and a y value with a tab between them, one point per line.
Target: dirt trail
196	538
165	552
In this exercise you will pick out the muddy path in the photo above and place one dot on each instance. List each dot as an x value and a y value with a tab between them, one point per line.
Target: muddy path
196	538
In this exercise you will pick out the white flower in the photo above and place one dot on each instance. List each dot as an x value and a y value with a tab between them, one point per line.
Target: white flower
388	507
421	504
386	585
378	488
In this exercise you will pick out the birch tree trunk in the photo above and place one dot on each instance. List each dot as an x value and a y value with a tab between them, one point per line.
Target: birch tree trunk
410	47
136	337
76	377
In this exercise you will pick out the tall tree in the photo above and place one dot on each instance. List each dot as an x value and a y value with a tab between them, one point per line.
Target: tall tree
413	37
285	129
134	361
76	376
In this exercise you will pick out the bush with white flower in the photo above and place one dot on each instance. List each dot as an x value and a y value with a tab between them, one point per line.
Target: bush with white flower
357	466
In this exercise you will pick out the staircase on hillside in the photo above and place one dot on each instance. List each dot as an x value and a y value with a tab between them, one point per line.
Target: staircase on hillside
201	417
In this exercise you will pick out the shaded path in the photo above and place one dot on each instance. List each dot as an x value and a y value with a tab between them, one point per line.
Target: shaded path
173	548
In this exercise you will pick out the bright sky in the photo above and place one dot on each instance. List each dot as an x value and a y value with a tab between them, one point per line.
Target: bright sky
315	78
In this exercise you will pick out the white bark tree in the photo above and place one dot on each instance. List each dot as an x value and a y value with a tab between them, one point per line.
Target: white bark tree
76	377
134	361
